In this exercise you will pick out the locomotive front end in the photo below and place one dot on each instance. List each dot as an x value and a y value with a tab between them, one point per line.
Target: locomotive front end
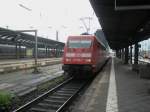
78	55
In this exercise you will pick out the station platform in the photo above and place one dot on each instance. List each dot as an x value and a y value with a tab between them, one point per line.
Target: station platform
23	82
116	89
14	65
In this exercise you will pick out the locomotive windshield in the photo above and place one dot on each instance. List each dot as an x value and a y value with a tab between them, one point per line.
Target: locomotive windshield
79	43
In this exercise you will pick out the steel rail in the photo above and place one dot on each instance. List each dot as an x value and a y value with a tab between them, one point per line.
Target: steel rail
70	99
69	89
36	100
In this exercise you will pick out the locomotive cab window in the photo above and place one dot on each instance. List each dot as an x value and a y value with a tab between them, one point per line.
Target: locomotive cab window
79	43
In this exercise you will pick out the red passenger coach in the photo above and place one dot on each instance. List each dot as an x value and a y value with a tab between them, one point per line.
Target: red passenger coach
83	55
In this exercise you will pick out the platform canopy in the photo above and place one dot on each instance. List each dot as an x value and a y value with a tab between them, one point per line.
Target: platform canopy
124	22
13	37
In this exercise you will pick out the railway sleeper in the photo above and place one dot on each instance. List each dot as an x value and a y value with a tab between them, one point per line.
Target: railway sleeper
37	109
49	101
66	91
63	94
57	98
48	106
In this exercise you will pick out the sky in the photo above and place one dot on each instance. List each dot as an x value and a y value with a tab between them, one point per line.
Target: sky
48	16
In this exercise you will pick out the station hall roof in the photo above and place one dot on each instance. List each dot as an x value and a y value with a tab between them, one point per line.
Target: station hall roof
13	37
122	27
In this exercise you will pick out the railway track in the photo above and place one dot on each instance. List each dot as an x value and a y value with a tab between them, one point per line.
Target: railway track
56	99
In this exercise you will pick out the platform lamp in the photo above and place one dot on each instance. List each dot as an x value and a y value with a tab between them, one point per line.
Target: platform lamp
36	70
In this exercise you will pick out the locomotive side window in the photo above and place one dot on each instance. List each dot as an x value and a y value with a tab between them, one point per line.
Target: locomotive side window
79	43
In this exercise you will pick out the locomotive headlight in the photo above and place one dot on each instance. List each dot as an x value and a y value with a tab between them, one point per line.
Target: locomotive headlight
67	59
88	60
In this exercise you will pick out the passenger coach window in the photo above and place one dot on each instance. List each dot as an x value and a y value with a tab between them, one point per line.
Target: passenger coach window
79	44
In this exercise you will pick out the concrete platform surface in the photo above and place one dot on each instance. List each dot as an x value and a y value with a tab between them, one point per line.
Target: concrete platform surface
21	82
116	89
13	65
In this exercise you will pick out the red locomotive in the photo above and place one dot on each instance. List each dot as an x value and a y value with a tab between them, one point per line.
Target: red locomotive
83	55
